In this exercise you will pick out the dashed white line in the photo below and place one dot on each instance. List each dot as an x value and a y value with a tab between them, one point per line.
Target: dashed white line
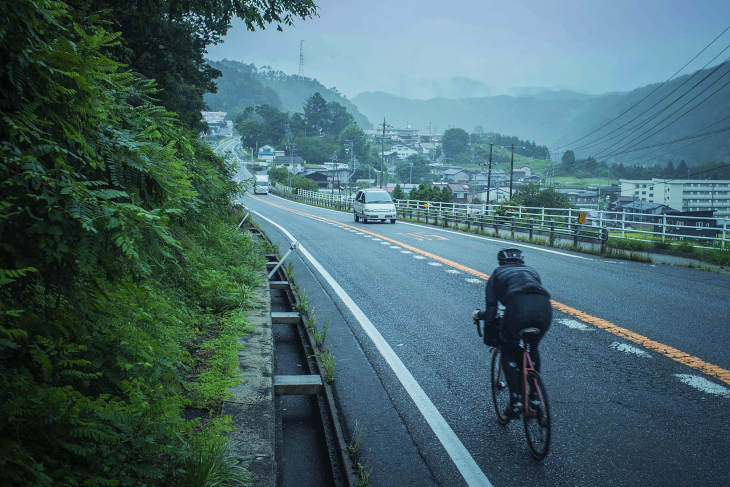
474	280
419	257
405	252
435	264
453	271
625	347
575	324
704	385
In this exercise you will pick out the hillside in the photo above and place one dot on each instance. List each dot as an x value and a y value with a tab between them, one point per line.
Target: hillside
552	116
243	85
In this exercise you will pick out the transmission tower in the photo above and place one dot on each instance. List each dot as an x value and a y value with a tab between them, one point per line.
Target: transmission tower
301	60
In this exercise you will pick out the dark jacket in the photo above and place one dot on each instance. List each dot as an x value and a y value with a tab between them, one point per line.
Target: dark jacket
507	281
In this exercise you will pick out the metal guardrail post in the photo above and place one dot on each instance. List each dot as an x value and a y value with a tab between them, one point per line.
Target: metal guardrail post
552	231
724	230
664	227
532	227
294	245
604	239
623	223
576	232
244	219
512	231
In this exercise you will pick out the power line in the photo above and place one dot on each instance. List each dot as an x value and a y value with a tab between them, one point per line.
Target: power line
641	124
672	114
654	91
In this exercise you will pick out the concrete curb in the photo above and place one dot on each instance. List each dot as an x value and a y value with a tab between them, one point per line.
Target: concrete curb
252	405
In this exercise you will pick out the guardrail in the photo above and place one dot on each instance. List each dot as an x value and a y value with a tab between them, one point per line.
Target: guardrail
670	230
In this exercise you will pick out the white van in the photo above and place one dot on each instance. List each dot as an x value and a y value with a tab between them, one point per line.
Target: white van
373	204
261	184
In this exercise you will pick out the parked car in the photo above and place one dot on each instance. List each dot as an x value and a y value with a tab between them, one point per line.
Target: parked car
373	204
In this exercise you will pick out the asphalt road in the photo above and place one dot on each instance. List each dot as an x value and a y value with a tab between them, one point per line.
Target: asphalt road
412	375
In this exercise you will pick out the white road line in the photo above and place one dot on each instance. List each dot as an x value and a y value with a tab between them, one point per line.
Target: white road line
453	271
625	347
575	324
435	264
419	257
703	384
474	280
394	247
454	447
405	252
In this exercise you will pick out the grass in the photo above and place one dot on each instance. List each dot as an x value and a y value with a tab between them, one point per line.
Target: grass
358	438
328	363
213	466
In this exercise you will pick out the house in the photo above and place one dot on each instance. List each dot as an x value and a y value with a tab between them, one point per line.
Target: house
389	156
407	134
455	176
293	164
266	153
579	197
458	192
691	224
318	176
403	151
645	211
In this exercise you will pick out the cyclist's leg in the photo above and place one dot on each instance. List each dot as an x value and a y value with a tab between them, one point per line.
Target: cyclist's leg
511	356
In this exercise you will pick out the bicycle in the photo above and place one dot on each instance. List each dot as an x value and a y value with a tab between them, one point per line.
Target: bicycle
535	410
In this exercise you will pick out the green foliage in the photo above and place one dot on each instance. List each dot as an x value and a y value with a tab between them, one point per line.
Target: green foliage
454	141
414	169
398	193
301	182
212	465
530	195
430	193
117	240
243	85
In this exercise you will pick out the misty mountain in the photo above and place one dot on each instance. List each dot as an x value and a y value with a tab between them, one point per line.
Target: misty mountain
243	85
559	118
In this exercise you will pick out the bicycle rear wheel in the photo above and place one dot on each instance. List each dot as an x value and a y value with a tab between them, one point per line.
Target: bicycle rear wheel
500	391
537	416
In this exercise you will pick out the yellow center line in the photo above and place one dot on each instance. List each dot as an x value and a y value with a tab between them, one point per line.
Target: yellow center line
666	350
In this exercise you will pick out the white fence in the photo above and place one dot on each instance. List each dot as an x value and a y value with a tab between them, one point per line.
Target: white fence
550	222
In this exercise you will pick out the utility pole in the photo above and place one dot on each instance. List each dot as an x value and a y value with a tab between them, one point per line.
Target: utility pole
511	171
489	176
301	61
382	154
410	181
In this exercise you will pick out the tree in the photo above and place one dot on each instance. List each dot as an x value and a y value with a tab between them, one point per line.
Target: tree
338	118
454	142
316	114
398	193
301	182
527	195
414	169
360	145
167	41
682	170
568	160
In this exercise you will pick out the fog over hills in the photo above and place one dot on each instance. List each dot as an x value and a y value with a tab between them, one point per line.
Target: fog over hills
556	118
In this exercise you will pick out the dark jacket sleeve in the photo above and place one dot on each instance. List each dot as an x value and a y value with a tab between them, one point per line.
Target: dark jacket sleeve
488	314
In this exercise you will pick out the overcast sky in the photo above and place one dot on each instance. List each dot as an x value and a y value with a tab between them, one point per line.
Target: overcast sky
591	46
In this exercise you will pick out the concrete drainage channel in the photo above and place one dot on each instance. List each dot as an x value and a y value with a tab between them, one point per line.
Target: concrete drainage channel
310	448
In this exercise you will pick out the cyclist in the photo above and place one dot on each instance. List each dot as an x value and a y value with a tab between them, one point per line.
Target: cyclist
527	304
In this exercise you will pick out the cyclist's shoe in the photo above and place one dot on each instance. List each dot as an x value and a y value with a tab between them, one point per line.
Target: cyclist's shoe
513	410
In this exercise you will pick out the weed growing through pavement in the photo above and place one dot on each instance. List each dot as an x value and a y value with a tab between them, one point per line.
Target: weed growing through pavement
320	335
358	437
328	363
363	475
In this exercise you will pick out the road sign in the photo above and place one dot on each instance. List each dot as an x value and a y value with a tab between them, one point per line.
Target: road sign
582	217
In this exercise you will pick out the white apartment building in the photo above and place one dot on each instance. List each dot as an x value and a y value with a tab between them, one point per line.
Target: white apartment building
682	194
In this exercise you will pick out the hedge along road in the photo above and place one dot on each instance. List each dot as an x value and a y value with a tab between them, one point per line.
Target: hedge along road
419	294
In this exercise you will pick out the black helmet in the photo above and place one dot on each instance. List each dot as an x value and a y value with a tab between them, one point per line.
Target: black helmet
510	256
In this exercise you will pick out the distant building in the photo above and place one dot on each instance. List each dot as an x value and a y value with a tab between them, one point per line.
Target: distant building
682	194
266	153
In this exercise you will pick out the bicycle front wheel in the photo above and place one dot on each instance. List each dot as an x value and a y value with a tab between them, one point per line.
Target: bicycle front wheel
537	416
500	391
